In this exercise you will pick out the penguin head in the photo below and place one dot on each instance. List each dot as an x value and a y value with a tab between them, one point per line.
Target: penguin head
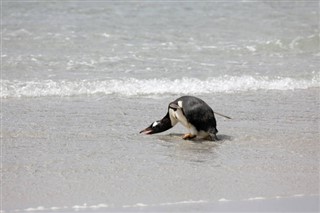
158	126
155	127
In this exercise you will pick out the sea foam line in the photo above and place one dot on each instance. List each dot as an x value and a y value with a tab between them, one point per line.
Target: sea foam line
102	206
145	87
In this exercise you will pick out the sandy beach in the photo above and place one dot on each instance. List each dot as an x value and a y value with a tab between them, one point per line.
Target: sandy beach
73	152
81	79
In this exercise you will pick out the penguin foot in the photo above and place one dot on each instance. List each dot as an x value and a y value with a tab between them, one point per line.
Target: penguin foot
188	136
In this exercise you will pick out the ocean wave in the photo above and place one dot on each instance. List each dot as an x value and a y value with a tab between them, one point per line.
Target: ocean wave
299	43
146	87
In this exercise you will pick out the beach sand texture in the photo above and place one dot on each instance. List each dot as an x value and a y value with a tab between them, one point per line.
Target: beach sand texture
81	79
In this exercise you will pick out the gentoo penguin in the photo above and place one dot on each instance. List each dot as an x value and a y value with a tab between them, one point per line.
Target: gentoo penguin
193	113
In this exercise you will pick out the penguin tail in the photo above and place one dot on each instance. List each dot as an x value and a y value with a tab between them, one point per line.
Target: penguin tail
217	113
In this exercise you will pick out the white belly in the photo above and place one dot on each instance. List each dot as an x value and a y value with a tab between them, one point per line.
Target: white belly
178	116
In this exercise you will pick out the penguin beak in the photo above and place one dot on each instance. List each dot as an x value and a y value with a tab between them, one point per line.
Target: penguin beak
146	131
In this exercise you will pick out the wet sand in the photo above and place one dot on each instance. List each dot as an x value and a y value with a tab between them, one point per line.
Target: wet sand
61	154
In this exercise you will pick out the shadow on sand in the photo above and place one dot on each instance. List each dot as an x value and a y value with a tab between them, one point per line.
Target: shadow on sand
178	136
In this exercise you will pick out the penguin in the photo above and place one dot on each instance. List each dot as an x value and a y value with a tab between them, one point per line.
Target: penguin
193	113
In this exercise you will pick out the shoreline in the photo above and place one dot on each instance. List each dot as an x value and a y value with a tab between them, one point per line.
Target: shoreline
295	203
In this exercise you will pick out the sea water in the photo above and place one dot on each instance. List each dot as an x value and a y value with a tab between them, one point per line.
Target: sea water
80	79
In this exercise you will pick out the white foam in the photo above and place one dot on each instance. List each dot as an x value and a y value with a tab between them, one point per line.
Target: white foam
39	208
257	198
252	48
140	205
223	200
298	195
77	207
103	206
141	87
86	206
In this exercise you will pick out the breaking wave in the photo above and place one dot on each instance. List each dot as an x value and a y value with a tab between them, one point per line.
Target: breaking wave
145	87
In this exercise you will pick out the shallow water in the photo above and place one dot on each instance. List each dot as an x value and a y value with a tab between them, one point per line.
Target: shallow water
63	152
81	79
